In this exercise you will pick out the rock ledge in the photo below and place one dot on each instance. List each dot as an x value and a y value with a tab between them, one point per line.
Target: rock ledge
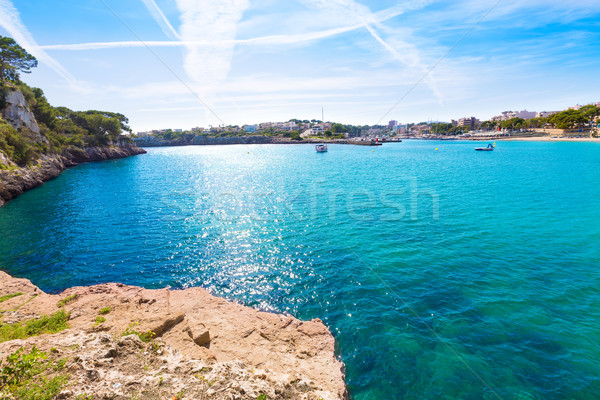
204	347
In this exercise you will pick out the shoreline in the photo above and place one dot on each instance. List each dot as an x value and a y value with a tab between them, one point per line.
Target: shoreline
17	180
346	142
550	139
196	338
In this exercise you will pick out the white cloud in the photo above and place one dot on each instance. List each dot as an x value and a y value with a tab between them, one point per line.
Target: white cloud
359	13
10	20
263	40
209	21
161	19
274	40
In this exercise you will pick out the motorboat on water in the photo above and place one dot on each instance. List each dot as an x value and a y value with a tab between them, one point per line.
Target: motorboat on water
321	148
490	147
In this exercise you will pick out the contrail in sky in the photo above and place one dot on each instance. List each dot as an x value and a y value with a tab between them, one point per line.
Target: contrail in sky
161	19
10	20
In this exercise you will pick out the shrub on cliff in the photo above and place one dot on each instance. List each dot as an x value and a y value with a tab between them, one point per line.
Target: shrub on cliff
62	127
45	324
31	376
16	146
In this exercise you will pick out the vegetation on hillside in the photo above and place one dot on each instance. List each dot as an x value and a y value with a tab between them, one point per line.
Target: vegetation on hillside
337	131
45	324
568	119
31	376
17	147
446	128
61	126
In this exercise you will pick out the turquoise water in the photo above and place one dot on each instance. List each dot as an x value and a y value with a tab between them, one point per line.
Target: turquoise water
448	274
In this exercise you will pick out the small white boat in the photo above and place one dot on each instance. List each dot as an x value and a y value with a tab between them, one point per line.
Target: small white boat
489	147
321	148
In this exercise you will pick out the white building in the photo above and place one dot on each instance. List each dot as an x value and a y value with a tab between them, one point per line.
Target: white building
525	114
289	126
506	115
314	131
544	114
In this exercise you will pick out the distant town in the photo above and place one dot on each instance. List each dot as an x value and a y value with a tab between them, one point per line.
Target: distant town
576	121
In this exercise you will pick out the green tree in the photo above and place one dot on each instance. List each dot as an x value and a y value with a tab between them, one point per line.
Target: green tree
123	120
14	59
590	111
337	128
489	125
66	126
537	122
513	123
568	119
43	111
103	128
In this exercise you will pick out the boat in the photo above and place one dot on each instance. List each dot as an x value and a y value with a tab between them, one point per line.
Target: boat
366	142
321	148
490	147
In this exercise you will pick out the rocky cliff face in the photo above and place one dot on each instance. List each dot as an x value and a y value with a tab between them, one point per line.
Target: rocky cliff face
204	347
15	181
19	116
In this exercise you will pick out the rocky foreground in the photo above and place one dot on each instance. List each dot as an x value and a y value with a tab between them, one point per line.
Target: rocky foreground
126	342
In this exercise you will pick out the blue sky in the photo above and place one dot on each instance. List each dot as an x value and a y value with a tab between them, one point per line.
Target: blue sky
187	63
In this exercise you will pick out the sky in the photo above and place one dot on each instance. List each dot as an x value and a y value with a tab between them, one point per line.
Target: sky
200	63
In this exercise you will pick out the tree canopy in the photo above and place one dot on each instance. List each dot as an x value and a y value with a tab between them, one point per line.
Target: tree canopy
568	119
513	123
590	111
14	59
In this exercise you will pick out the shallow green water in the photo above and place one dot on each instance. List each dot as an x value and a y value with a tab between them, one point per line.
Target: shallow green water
443	274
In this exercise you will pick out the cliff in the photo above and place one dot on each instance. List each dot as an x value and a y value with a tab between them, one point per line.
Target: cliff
15	180
126	342
41	160
17	113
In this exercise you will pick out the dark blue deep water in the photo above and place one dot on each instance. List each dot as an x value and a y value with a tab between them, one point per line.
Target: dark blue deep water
443	274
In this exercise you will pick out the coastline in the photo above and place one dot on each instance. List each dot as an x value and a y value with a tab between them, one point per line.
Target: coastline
15	181
550	139
197	338
508	139
191	140
246	140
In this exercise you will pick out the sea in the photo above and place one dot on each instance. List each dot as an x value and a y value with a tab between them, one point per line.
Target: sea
442	272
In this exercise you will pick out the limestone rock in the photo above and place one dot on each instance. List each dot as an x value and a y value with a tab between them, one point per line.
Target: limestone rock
199	334
208	347
4	160
18	114
162	323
